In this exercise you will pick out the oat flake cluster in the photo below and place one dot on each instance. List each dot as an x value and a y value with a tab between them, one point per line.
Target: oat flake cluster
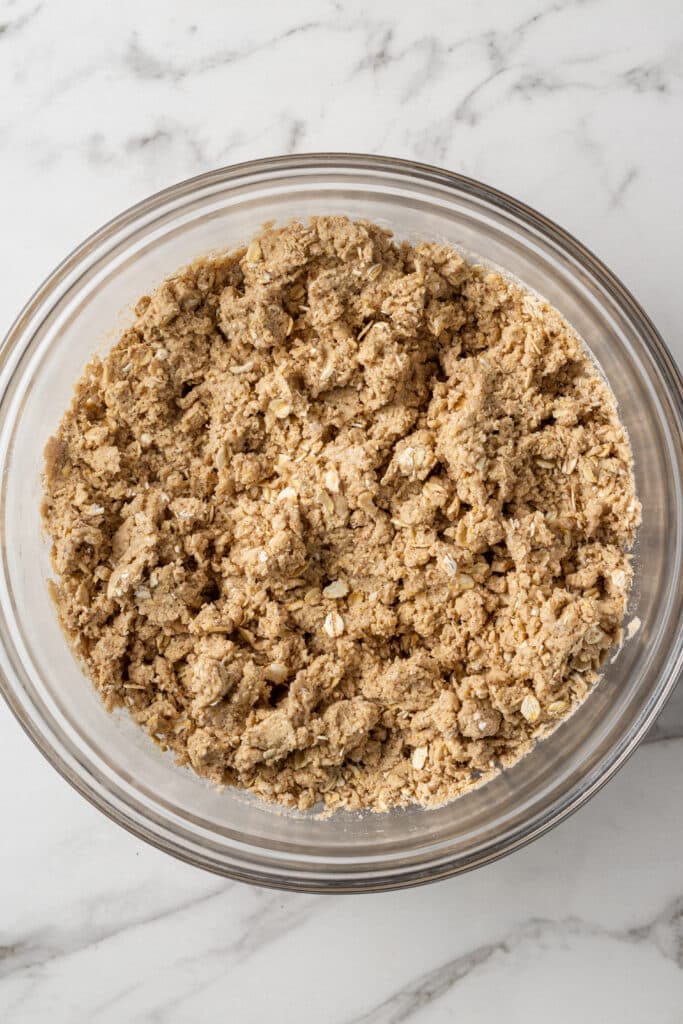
342	521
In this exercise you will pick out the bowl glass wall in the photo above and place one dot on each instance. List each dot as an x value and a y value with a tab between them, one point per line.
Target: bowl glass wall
81	310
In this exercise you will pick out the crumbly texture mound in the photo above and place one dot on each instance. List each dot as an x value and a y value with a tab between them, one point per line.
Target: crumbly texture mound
342	521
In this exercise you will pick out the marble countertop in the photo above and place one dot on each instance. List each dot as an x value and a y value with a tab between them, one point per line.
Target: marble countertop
571	105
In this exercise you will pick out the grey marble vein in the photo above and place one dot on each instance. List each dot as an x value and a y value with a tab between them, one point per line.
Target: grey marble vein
467	110
143	64
53	943
531	84
617	196
296	132
11	27
429	988
664	932
434	53
259	929
264	923
377	54
647	78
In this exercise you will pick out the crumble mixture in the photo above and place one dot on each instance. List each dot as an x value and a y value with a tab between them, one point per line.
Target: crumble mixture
342	521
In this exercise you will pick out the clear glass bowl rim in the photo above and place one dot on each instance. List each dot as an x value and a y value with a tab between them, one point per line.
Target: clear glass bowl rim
85	255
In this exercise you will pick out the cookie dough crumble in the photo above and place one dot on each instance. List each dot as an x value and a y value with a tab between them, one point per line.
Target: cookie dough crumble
342	521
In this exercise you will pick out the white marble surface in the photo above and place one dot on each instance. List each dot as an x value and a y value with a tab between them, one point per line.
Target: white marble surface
575	107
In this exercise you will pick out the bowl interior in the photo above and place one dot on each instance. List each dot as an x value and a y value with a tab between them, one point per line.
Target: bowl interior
111	759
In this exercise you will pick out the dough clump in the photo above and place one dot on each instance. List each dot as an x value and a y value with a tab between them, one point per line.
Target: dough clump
341	521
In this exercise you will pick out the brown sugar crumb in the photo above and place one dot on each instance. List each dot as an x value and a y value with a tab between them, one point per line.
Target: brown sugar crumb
342	521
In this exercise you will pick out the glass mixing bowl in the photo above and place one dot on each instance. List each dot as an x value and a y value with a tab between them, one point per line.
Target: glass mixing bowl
82	308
